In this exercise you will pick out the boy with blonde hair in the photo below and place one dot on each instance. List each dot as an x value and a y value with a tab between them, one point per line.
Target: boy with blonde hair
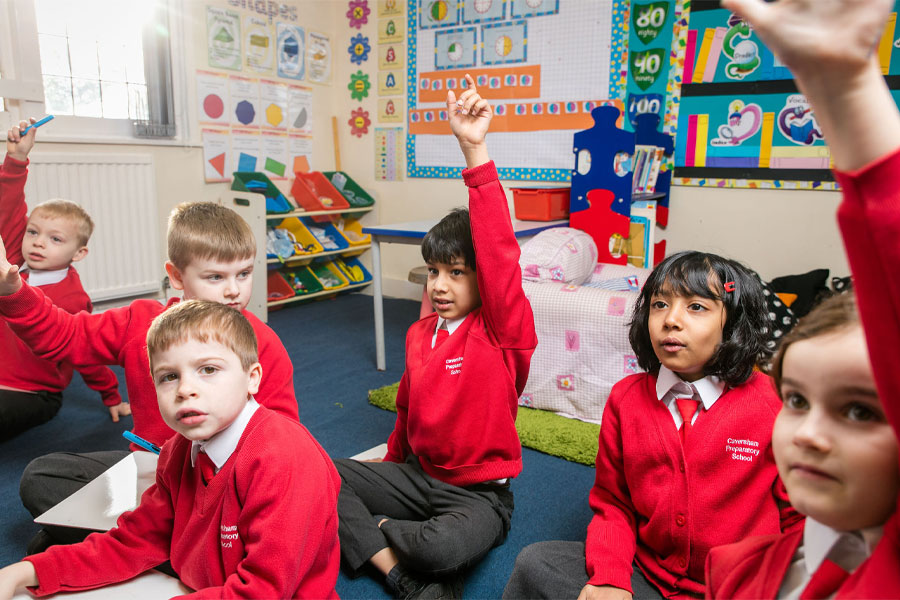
211	252
245	501
46	243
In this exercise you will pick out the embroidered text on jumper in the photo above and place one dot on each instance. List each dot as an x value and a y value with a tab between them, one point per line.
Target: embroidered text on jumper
745	450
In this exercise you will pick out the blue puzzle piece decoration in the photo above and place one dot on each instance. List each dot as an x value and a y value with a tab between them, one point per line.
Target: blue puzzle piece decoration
599	146
646	132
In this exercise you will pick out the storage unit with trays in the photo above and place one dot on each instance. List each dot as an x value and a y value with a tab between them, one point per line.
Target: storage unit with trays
320	256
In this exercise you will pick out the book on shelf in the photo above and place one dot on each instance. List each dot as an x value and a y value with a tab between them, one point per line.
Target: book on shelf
647	161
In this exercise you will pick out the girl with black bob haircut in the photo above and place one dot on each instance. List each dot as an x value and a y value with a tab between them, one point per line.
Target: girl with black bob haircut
692	273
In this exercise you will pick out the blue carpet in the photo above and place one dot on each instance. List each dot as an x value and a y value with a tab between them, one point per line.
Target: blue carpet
331	344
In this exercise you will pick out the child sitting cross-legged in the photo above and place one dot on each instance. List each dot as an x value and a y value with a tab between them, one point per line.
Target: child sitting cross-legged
261	524
835	440
685	457
443	487
48	241
211	251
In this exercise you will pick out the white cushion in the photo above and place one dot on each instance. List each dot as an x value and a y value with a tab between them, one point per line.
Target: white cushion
559	254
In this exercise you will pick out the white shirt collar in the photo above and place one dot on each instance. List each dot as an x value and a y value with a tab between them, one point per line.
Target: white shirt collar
452	324
821	542
37	277
221	446
710	388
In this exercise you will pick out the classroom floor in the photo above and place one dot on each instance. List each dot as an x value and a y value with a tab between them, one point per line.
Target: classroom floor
332	347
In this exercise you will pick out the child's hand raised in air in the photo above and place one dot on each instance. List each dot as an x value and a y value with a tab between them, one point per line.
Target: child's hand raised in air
17	145
10	282
817	36
470	116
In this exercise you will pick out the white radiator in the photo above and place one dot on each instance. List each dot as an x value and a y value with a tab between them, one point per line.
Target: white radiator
119	192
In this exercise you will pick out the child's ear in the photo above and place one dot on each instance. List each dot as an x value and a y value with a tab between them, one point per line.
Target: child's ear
80	254
175	278
255	378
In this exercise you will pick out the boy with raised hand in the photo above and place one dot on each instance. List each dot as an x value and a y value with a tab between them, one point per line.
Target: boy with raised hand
444	484
46	243
211	251
245	500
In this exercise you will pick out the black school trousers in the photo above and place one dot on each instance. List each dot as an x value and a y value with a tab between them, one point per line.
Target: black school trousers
435	529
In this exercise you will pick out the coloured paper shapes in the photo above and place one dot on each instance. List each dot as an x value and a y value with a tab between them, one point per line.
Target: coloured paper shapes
359	49
358	13
359	85
359	122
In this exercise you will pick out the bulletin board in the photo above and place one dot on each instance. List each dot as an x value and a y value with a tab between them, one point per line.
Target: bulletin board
543	65
741	120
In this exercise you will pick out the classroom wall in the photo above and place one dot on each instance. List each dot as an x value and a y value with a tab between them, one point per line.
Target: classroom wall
776	232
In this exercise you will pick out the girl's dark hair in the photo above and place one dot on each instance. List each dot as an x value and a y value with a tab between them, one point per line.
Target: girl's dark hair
692	273
832	314
450	238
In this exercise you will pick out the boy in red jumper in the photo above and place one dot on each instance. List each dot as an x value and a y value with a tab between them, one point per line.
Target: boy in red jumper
684	460
211	251
444	483
245	501
836	437
48	241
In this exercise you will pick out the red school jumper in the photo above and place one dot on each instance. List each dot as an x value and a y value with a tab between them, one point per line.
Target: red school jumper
119	336
665	505
869	218
264	527
456	406
22	369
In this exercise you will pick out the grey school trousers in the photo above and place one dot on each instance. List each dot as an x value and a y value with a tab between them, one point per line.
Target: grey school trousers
435	528
552	570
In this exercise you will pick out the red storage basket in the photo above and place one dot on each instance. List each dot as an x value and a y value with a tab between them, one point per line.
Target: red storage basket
313	191
541	204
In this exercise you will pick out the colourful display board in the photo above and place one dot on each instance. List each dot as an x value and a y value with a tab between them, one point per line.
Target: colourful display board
741	119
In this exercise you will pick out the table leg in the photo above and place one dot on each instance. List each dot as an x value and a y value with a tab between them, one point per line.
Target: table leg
378	301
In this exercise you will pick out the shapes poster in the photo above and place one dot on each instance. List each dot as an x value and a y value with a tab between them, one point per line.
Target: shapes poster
318	55
244	93
259	44
216	148
223	38
213	98
291	51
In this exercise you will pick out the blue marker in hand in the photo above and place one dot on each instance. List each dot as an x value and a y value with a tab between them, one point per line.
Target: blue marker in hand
36	124
141	442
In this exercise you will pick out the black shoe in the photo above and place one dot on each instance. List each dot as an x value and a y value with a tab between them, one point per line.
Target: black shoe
407	586
40	542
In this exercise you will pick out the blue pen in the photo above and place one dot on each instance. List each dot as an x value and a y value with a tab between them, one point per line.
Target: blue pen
141	442
36	124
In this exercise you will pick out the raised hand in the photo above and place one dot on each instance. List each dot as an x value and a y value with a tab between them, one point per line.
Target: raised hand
10	282
17	145
470	116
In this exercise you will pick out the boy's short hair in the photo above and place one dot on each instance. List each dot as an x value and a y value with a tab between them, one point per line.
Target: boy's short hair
66	209
450	238
693	273
202	320
204	230
829	316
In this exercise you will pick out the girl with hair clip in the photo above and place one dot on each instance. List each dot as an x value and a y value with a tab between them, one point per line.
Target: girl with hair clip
835	440
685	460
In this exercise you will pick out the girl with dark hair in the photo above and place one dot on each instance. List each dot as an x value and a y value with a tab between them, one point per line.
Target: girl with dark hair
685	460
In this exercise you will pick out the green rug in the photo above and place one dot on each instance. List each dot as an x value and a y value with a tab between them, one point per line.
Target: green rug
540	430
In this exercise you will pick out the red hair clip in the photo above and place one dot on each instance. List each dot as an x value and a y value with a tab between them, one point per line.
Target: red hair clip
729	286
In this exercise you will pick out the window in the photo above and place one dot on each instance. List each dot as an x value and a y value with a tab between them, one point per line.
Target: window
92	60
102	67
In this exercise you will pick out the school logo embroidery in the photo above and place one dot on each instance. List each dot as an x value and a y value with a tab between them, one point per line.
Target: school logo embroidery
453	365
742	450
227	535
